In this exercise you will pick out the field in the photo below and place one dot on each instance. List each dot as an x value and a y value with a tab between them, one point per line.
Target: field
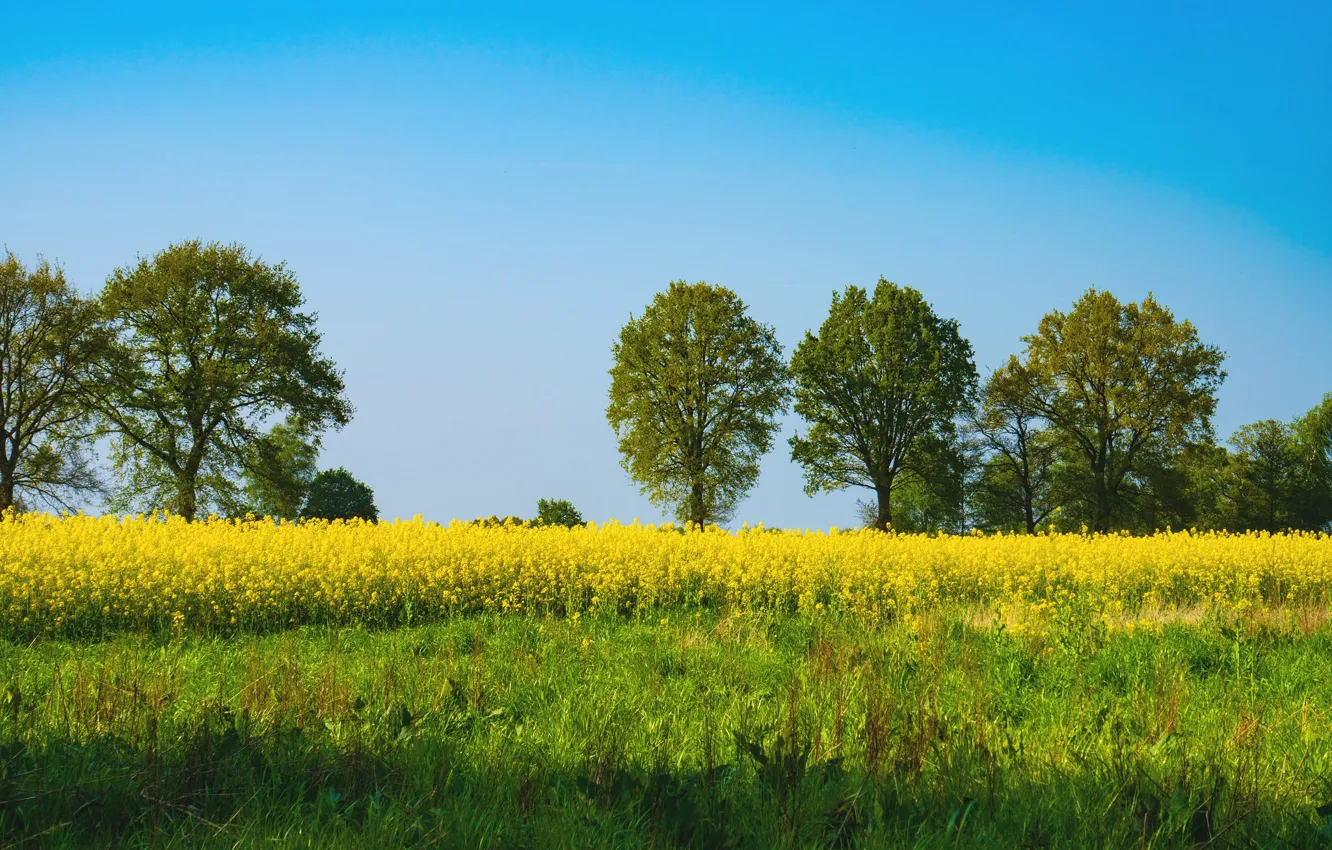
237	684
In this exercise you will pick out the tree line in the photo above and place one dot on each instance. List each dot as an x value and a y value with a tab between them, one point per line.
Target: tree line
1103	421
200	370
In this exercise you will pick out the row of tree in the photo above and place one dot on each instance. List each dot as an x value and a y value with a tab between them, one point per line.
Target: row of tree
197	368
200	371
1103	421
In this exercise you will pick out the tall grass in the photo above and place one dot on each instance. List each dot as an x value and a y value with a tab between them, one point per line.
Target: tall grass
698	729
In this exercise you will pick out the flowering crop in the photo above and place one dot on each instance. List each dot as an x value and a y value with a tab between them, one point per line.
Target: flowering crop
84	575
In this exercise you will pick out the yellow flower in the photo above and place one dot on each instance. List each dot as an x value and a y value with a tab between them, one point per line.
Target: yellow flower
91	575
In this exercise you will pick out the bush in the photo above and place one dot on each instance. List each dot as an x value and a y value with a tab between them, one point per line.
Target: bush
335	494
493	521
558	512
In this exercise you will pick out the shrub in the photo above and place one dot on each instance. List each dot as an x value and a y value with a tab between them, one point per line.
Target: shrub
335	494
558	512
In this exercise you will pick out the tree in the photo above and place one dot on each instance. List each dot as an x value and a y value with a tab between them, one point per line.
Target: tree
1120	384
1179	488
209	344
49	340
1281	474
278	472
1313	436
695	391
558	512
335	494
1269	475
882	376
1208	468
1014	488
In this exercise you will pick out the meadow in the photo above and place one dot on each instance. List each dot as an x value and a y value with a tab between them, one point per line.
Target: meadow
227	684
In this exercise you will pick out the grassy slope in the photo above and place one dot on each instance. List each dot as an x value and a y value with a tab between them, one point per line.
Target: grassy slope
752	730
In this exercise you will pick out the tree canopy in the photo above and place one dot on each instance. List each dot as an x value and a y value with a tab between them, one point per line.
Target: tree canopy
695	392
209	343
1123	385
883	376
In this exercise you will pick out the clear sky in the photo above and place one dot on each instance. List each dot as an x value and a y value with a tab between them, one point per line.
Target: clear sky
475	199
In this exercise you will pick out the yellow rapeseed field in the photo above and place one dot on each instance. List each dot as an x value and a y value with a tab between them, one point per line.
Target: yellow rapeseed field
85	575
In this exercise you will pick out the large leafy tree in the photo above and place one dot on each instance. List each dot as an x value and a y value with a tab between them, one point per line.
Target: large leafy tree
209	344
879	385
1123	385
695	391
49	340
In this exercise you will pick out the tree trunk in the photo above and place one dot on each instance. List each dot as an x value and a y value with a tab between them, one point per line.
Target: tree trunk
1028	492
186	498
1101	504
697	505
6	488
884	519
1101	517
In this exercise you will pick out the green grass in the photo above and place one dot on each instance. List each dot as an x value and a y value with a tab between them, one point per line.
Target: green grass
753	730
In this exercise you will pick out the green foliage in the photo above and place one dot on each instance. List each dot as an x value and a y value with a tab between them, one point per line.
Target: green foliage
494	521
1280	475
1269	475
1179	490
1313	437
558	512
209	343
1126	387
695	391
335	494
1013	488
929	497
996	499
279	470
49	339
742	730
882	378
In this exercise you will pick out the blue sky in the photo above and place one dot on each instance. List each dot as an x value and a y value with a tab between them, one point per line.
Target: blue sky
476	198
